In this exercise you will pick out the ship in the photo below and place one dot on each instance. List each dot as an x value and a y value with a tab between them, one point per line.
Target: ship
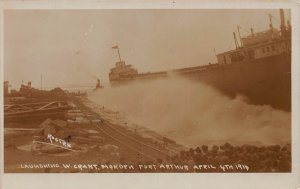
259	68
99	85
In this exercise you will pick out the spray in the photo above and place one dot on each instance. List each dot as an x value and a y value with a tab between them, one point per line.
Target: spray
193	113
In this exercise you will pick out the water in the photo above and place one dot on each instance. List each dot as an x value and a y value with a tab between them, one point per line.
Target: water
194	114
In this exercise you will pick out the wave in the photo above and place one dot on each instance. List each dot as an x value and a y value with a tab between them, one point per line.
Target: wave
193	113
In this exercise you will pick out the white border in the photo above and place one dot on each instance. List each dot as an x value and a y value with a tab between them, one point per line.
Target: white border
168	180
1	97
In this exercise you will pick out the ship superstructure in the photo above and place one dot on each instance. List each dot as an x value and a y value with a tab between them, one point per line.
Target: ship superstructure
260	45
121	70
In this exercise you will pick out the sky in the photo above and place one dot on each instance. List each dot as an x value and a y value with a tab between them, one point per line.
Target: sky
69	48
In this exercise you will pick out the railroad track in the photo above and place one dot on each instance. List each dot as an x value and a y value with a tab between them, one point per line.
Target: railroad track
140	148
169	151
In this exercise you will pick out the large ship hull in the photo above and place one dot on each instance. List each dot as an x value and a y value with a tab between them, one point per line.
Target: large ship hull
262	81
265	81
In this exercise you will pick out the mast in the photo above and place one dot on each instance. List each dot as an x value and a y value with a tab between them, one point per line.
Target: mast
119	54
117	47
41	82
271	23
252	32
238	27
236	43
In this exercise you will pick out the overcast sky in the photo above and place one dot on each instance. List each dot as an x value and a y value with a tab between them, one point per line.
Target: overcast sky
69	47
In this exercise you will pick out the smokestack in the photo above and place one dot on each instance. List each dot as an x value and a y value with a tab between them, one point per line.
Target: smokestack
252	32
29	84
282	23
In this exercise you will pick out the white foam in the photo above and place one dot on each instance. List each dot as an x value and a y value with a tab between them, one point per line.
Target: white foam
194	114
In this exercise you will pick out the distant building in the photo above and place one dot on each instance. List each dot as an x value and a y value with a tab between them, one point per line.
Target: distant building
26	88
5	86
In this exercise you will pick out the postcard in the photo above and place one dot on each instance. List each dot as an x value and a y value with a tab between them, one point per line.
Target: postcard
184	93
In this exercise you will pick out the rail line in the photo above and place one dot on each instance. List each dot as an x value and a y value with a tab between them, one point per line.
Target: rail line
130	142
126	144
133	144
138	141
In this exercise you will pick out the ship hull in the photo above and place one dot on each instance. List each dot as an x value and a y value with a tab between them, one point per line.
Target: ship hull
265	81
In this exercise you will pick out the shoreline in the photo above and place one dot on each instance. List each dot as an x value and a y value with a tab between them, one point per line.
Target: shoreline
105	137
119	119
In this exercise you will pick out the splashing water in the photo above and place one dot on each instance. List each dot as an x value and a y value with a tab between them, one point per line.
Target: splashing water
194	114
